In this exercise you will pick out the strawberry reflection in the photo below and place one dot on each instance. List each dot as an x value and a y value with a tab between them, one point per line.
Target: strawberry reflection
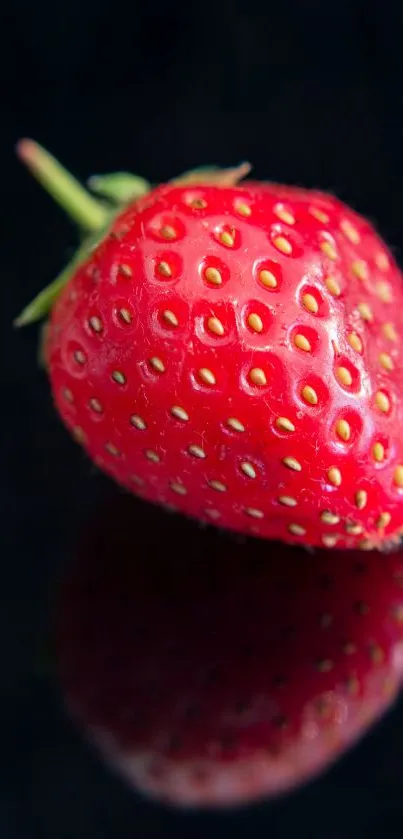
213	671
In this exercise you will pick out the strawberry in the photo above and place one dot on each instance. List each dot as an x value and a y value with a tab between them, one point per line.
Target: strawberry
234	351
208	680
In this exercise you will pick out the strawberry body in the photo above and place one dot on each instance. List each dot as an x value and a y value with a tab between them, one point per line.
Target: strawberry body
208	680
236	353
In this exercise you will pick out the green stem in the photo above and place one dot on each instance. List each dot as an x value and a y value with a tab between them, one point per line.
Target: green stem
43	302
89	213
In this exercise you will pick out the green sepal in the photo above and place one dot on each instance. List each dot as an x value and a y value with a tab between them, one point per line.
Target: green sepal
119	187
43	302
41	305
214	175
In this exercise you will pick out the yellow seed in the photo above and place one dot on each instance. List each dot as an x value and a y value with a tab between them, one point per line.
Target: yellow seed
68	395
382	402
243	209
366	545
80	357
168	232
360	270
213	514
319	215
378	452
196	451
235	424
198	203
257	377
292	463
386	361
151	455
254	513
350	232
136	480
344	376
349	648
310	303
343	429
353	529
284	424
179	413
384	292
170	508
282	244
334	476
207	376
283	214
309	395
333	286
397	612
95	405
302	343
218	486
398	476
267	279
138	422
126	271
165	269
329	250
227	239
330	540
382	261
352	685
296	530
383	520
178	488
112	449
329	518
361	498
95	324
79	435
325	620
248	469
119	377
389	332
354	341
214	325
255	322
287	501
365	312
170	318
324	665
376	653
213	276
125	315
157	364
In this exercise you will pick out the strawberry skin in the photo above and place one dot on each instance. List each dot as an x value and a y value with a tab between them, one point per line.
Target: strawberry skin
208	680
235	353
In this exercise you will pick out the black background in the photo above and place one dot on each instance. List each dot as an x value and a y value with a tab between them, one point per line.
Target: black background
310	94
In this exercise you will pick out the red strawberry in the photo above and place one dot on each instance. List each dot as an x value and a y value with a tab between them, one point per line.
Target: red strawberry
236	352
208	680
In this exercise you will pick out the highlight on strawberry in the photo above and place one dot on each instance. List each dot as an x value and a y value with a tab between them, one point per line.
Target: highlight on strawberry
231	349
208	680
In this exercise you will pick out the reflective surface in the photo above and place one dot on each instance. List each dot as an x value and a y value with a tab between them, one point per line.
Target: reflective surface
311	97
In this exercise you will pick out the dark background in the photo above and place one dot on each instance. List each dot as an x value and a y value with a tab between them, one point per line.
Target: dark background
309	94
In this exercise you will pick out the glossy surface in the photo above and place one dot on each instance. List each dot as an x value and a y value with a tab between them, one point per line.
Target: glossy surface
236	354
206	679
